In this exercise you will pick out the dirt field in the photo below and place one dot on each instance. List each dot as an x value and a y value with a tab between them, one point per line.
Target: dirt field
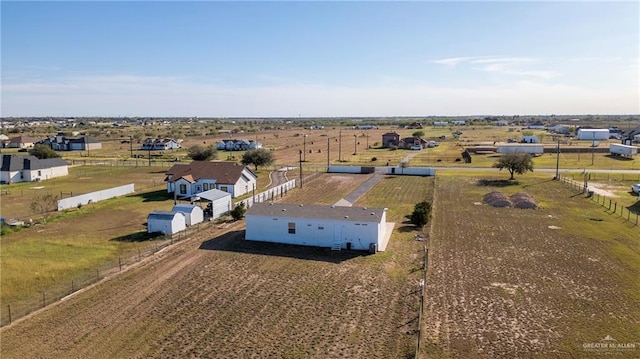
217	296
514	283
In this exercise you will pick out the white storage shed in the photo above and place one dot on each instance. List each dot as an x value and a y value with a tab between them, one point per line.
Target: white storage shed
166	222
220	202
593	134
335	227
193	214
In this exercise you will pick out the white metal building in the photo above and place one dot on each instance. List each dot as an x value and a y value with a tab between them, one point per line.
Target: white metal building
593	134
193	214
336	227
220	201
166	222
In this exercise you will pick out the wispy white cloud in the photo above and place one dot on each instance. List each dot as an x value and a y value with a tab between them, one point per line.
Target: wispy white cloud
178	96
513	66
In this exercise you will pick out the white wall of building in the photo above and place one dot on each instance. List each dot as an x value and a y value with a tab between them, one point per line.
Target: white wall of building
167	226
593	134
193	214
315	232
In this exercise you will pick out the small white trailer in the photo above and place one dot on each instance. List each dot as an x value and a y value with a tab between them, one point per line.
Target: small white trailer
532	149
623	150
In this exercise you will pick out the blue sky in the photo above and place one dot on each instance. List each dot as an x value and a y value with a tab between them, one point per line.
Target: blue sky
315	59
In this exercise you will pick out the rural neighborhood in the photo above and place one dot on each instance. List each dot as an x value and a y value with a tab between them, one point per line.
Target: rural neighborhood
376	180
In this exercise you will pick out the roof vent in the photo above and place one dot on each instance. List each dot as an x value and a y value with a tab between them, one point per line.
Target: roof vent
373	214
346	216
284	210
300	204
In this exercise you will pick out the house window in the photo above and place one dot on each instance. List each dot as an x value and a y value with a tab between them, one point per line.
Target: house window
205	186
183	189
292	228
224	189
39	173
320	227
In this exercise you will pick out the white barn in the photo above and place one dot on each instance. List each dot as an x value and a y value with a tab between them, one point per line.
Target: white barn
220	202
193	214
335	227
593	134
166	222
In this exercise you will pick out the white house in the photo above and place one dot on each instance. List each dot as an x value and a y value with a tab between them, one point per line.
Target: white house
193	214
160	144
238	145
530	139
200	176
593	134
30	168
166	222
219	202
334	227
21	142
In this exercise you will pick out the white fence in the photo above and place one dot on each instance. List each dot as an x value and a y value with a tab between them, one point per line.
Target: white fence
411	171
87	198
269	194
351	169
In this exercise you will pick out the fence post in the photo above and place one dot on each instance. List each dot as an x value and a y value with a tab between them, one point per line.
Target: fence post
44	301
138	254
615	207
9	308
72	287
120	263
97	274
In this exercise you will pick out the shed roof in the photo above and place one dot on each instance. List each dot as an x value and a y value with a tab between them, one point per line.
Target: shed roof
18	163
163	215
213	194
185	208
312	211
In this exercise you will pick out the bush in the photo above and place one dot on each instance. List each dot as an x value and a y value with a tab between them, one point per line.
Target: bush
421	214
238	211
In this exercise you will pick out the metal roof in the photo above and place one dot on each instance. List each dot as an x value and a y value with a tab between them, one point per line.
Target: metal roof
165	215
311	211
212	194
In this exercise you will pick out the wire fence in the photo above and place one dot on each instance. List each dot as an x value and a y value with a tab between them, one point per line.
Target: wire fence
12	310
613	207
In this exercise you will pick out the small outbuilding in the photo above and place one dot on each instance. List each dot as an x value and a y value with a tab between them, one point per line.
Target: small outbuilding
166	222
335	227
193	214
219	202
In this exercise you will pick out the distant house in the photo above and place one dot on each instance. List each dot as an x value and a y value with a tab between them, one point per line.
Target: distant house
501	123
414	125
335	227
30	168
412	143
593	134
166	222
193	214
390	139
537	126
365	127
459	123
441	123
560	129
199	176
62	143
160	144
21	142
530	139
238	145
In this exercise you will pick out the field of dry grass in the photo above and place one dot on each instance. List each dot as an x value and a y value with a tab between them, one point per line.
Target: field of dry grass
508	282
218	296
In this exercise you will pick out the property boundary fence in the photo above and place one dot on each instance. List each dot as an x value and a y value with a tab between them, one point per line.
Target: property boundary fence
269	195
96	196
14	310
612	206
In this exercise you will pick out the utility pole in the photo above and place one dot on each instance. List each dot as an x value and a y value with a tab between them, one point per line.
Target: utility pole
131	144
355	144
340	146
557	161
328	150
304	148
593	147
300	168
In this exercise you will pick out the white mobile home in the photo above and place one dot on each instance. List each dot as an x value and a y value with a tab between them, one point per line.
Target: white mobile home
166	222
533	149
623	150
334	227
219	202
593	134
193	214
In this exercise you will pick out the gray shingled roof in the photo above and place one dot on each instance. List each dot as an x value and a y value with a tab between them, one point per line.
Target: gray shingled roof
224	172
18	163
351	214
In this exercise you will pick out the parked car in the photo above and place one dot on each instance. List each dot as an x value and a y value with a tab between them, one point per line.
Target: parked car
635	188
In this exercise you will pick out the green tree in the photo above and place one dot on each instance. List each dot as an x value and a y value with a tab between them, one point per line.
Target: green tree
418	134
238	211
421	214
257	157
519	163
43	151
201	153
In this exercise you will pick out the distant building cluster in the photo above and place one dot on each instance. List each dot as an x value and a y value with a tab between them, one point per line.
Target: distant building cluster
238	145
